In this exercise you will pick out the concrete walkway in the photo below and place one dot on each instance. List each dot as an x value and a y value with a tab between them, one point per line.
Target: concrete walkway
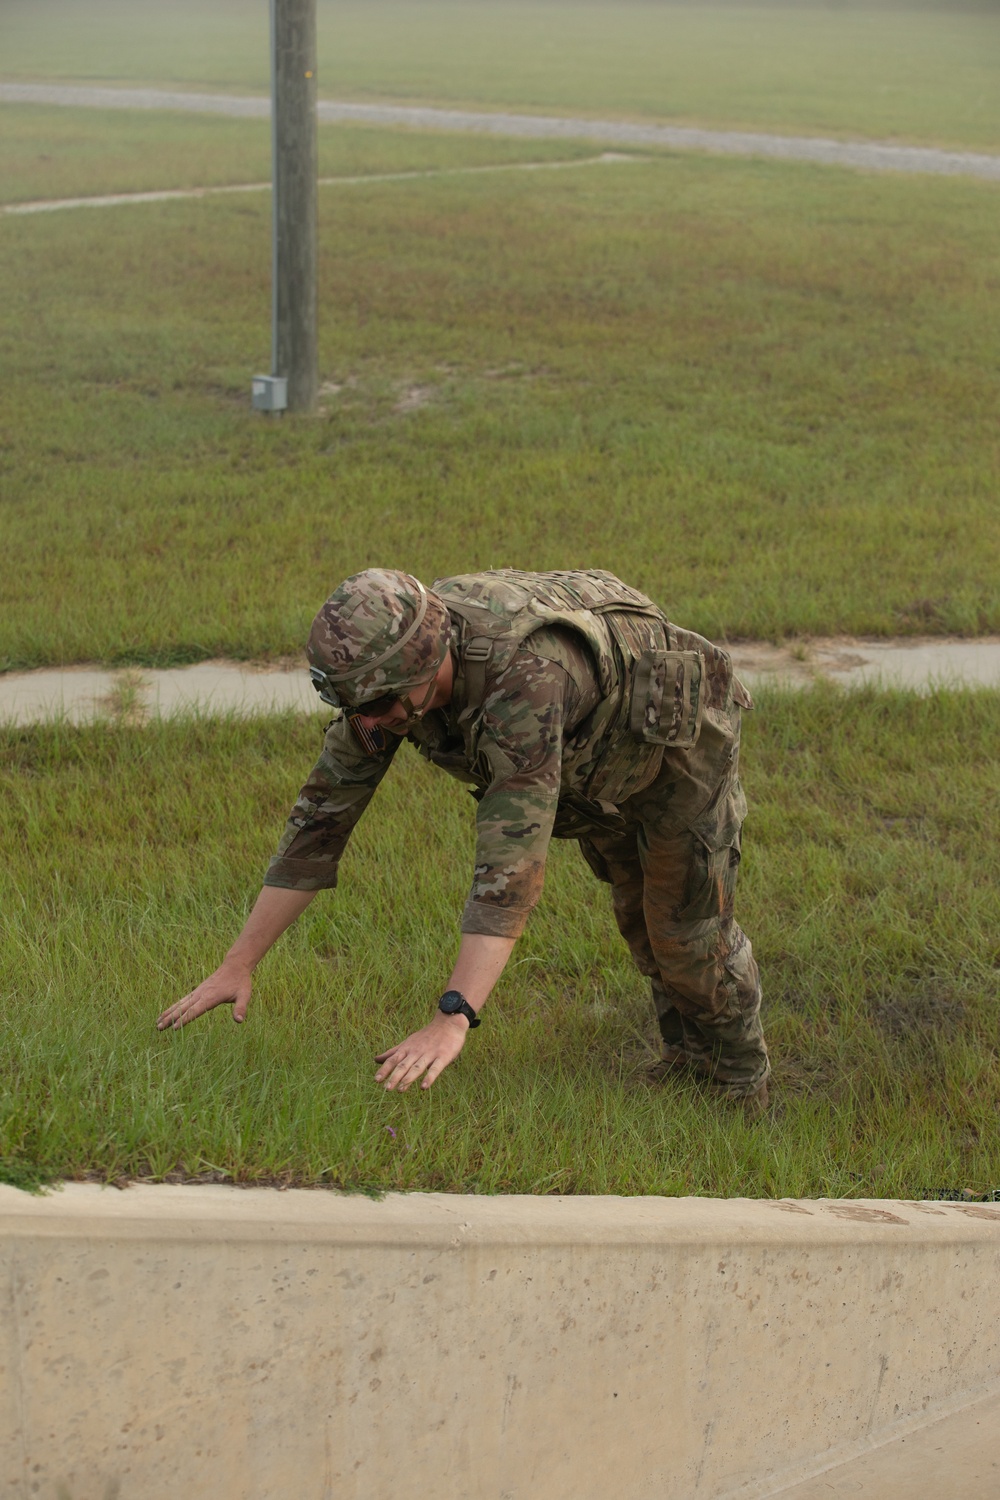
86	693
870	156
165	195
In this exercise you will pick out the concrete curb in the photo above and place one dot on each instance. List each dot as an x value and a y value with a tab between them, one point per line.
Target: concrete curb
212	1341
955	1456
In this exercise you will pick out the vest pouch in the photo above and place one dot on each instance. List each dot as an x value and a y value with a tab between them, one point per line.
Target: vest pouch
667	703
578	815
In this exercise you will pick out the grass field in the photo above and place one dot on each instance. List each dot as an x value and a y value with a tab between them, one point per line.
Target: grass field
870	890
924	72
766	393
60	153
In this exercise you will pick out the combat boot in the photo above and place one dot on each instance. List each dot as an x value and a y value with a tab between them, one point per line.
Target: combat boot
755	1105
671	1062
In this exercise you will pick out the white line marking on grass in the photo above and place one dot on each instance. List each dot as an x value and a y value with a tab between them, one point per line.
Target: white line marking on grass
165	195
871	156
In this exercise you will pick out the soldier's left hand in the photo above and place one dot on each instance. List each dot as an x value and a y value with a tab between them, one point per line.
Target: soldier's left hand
428	1051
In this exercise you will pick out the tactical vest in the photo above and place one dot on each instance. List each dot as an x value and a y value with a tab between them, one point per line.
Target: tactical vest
653	686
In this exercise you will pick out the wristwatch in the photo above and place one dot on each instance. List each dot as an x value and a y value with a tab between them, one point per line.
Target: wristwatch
454	1003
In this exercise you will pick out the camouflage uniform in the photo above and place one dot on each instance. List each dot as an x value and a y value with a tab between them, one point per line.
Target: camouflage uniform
577	711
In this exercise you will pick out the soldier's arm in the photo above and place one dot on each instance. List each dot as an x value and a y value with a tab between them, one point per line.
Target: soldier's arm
339	789
525	715
274	910
522	740
428	1052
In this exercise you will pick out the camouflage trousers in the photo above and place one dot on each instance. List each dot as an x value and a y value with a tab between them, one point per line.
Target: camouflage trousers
672	871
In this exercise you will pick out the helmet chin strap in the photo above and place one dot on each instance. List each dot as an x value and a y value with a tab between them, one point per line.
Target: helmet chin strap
415	712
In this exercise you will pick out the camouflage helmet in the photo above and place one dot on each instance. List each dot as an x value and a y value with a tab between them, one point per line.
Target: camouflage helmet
380	633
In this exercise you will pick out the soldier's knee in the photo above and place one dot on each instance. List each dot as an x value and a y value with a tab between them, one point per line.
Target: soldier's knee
743	977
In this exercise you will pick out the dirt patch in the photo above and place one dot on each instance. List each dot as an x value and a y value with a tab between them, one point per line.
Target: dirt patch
414	397
917	662
925	1011
862	1214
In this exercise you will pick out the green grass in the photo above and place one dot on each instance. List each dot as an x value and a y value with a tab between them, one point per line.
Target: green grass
71	153
766	393
869	887
917	72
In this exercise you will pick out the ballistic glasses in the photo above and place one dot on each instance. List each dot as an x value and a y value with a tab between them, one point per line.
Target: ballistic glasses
327	690
372	741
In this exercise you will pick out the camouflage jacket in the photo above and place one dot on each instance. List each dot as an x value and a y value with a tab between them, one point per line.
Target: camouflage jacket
568	690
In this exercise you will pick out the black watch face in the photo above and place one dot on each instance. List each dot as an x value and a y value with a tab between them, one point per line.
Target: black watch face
451	1003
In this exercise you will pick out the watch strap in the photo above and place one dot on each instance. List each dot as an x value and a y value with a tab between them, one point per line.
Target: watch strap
457	1005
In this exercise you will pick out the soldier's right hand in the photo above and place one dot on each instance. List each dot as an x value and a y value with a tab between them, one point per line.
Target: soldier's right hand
229	985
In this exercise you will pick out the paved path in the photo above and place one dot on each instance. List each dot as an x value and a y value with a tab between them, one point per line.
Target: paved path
163	195
86	693
871	156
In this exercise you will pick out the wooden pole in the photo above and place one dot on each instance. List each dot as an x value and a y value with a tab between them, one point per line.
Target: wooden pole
293	130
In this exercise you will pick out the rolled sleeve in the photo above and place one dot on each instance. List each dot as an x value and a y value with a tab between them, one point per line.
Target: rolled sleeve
494	921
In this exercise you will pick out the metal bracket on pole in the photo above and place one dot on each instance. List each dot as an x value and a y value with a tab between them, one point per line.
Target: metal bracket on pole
294	378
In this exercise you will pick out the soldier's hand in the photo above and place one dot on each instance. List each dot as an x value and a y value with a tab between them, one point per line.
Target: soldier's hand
428	1050
229	985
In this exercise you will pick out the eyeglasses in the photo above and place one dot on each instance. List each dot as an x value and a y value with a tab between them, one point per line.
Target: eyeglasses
372	738
376	707
329	694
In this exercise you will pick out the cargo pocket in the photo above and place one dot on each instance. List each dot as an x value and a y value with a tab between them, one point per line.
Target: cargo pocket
720	825
719	840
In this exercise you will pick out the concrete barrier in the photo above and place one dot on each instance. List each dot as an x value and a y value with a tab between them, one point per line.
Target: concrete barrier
953	1458
256	1345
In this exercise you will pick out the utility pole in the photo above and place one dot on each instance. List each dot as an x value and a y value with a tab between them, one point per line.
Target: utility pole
294	373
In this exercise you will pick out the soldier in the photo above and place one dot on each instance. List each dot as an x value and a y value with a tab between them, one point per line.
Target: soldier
572	707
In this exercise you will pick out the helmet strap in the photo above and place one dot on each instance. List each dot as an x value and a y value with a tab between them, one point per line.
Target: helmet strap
415	712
